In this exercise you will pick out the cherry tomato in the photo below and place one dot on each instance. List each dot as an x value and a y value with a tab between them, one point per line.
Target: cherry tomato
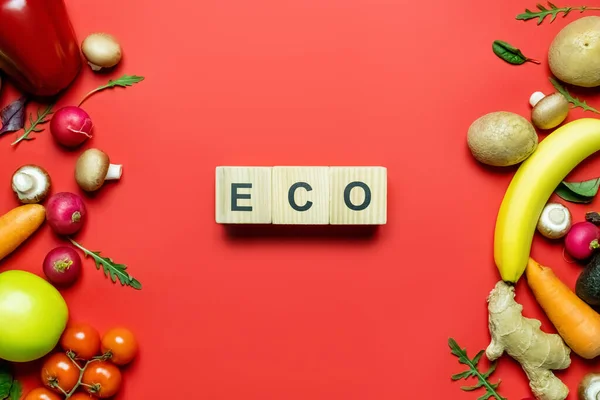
42	393
82	396
60	370
103	379
122	345
82	339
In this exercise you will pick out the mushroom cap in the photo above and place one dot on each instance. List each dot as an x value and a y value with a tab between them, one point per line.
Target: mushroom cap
91	168
589	387
101	49
550	111
34	176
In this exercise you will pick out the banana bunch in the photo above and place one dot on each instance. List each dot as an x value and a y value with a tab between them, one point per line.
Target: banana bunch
531	187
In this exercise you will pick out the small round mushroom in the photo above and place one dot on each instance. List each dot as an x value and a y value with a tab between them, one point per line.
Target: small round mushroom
93	168
31	184
589	387
555	221
548	111
101	50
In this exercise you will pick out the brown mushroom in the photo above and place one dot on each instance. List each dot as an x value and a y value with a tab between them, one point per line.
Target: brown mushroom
101	50
93	168
31	184
548	111
589	387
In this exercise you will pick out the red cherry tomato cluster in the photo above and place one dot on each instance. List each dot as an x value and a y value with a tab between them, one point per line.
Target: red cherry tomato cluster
88	367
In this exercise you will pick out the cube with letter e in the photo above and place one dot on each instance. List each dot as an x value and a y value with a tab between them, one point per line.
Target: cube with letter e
243	195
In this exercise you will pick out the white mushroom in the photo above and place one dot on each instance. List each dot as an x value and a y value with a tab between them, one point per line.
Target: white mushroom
31	184
555	221
101	50
93	167
548	111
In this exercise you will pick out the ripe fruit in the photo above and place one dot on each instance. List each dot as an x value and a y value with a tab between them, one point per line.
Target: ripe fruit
33	314
103	379
122	345
41	394
531	187
81	339
59	370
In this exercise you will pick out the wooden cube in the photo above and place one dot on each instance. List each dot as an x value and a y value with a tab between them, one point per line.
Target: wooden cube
300	195
243	195
358	195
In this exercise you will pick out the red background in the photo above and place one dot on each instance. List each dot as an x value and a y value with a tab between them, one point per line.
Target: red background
320	314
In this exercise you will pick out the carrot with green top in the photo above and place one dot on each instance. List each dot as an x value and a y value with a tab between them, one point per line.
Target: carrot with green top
575	321
18	225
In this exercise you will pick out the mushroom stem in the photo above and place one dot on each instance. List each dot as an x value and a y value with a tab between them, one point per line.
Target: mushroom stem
94	67
114	172
23	182
535	98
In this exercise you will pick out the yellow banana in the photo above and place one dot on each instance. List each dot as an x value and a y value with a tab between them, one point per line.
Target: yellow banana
531	187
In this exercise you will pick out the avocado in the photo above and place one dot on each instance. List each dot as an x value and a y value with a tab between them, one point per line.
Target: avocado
587	287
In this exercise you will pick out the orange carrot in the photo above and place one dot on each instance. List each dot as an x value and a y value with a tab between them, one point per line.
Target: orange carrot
575	321
19	224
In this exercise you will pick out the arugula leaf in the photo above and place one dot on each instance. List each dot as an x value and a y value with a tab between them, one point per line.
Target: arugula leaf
123	81
473	372
15	391
111	269
573	100
6	381
578	192
13	116
553	12
33	125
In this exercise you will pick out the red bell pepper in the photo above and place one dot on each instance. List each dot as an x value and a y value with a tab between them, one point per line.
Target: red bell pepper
39	50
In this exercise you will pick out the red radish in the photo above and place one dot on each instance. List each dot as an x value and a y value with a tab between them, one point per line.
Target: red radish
71	126
62	265
66	213
582	240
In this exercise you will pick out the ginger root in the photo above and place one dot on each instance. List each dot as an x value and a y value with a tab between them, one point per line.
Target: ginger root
521	338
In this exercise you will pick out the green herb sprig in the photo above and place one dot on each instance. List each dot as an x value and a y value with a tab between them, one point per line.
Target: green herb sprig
573	100
123	81
111	269
510	54
34	124
473	372
551	12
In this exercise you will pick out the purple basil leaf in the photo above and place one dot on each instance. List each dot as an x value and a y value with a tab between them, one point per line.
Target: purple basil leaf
13	116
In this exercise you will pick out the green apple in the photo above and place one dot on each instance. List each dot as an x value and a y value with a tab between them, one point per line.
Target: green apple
33	316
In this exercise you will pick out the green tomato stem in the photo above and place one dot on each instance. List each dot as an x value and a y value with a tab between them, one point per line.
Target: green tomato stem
80	380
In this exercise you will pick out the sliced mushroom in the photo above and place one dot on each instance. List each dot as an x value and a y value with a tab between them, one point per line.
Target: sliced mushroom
31	184
589	387
548	111
93	168
101	50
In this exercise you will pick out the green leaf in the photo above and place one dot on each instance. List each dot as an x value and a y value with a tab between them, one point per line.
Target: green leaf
587	188
462	375
34	125
483	382
123	81
112	270
573	100
6	380
551	12
15	391
578	192
509	53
